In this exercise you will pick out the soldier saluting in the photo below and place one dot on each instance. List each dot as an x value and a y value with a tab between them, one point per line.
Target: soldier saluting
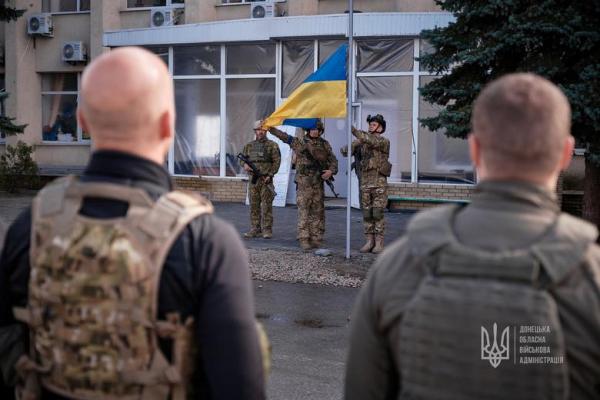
315	164
265	156
373	171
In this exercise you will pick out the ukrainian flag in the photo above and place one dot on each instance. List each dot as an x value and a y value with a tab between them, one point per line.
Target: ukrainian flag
321	95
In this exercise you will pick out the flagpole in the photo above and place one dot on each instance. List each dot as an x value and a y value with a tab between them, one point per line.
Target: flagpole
349	120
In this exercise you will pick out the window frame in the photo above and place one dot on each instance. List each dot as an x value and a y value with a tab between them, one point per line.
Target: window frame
78	11
79	140
168	3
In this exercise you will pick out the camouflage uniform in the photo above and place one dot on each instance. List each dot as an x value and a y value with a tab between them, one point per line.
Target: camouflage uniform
266	156
374	171
310	194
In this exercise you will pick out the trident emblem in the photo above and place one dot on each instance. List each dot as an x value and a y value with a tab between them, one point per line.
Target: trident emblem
495	353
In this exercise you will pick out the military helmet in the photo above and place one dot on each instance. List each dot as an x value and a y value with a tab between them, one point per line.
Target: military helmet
257	125
319	126
377	118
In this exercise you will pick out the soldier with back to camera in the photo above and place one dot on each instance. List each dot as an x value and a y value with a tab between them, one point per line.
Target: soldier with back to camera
498	299
116	286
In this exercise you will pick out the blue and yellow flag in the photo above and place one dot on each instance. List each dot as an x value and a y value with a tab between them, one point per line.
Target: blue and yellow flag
321	95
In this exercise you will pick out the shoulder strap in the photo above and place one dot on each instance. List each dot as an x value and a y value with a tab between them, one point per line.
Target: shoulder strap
432	229
565	246
561	250
164	222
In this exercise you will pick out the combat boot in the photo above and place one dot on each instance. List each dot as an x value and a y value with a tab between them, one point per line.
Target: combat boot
305	244
252	233
369	244
378	244
267	234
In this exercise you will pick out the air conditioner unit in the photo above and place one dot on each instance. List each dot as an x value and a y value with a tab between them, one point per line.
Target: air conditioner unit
74	52
263	9
165	16
40	25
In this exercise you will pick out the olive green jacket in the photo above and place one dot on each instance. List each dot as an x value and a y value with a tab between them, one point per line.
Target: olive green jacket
502	216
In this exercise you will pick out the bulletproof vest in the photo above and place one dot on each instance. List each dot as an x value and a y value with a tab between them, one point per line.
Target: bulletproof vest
93	293
375	160
484	325
259	152
311	157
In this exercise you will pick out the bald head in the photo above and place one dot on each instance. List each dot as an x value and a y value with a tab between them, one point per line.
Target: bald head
127	103
521	123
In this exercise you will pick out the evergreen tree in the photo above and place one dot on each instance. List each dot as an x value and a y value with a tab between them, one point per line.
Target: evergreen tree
558	39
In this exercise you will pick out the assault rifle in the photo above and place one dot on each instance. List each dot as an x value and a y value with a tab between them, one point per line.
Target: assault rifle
329	183
255	171
322	167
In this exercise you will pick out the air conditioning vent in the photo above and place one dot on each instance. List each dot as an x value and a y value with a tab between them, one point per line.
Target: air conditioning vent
165	16
262	9
40	25
74	52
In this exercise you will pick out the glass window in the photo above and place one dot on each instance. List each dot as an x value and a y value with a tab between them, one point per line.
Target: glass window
424	48
162	52
327	48
391	97
248	100
441	159
251	59
146	3
388	55
59	82
59	104
65	5
298	64
198	127
197	60
58	117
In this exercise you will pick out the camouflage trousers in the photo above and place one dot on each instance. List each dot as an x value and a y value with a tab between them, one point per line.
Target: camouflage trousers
373	200
261	198
310	199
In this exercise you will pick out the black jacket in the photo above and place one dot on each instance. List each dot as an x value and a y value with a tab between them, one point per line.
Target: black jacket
206	275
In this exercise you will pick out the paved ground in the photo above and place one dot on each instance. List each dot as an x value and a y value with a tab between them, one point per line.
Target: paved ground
308	328
307	324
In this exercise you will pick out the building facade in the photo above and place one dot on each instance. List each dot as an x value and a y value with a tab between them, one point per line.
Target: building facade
231	65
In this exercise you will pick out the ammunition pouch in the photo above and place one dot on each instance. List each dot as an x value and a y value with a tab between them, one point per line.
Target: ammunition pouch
377	214
385	168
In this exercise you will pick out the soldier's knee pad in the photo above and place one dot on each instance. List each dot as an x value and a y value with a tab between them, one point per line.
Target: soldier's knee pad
377	214
367	214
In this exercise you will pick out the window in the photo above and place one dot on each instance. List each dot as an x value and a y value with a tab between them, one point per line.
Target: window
391	96
298	64
60	95
441	159
238	1
197	60
198	137
248	100
251	59
65	5
388	55
154	3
